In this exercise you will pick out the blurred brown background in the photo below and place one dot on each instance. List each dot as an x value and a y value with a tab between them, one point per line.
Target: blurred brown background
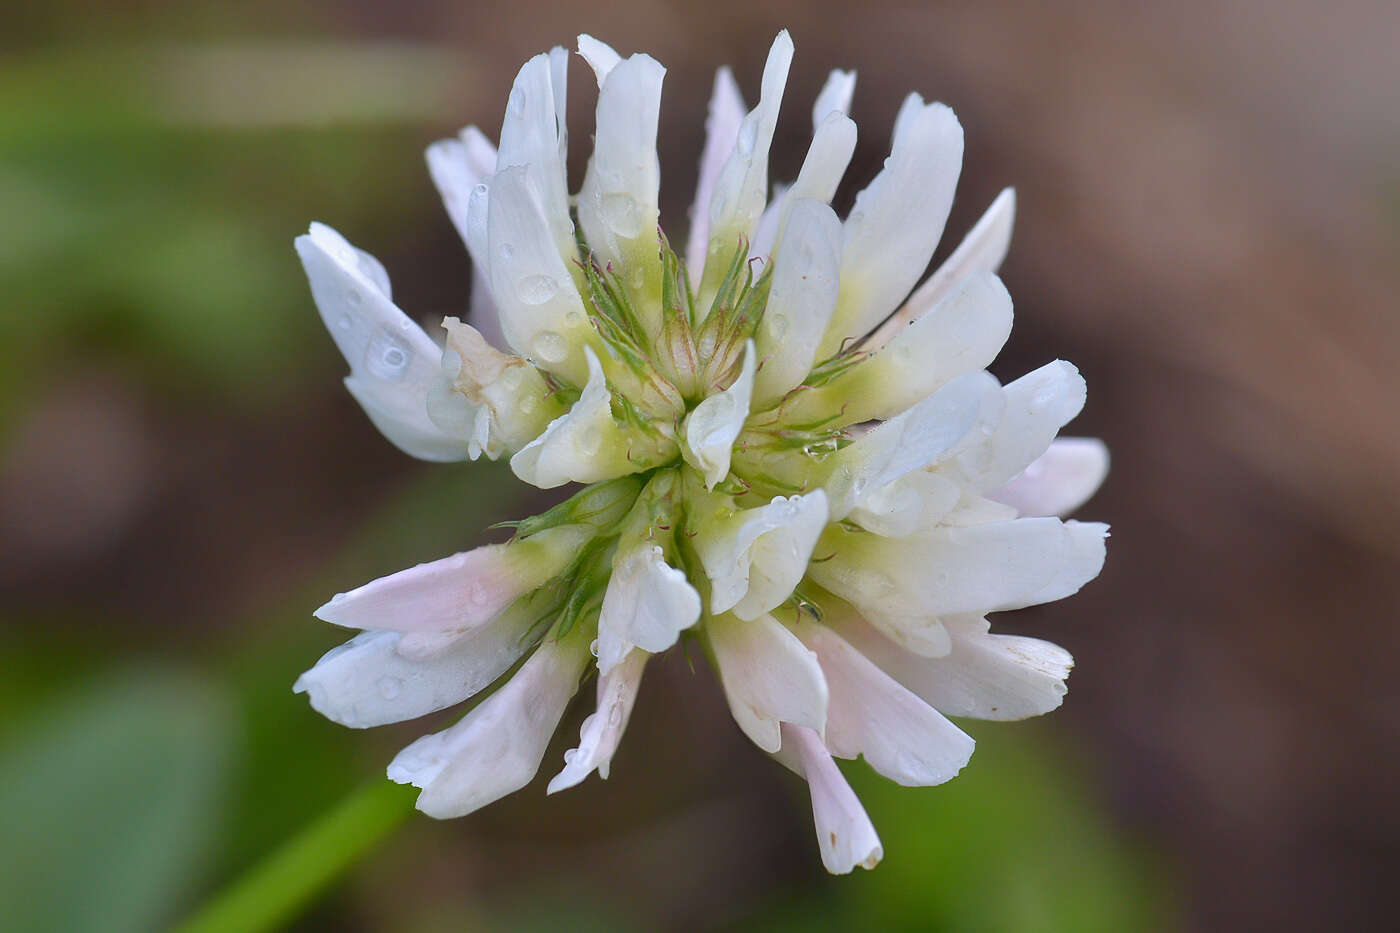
1208	226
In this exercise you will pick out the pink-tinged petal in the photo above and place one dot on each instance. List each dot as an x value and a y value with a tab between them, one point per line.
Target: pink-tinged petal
845	835
721	130
602	731
1059	480
460	591
870	714
383	677
496	749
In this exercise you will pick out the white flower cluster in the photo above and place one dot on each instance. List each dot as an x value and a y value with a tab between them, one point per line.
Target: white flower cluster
793	455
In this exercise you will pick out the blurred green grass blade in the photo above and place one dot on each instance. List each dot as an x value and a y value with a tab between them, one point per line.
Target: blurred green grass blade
288	880
114	797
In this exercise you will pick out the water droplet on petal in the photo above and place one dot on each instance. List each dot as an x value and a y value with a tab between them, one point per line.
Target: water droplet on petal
387	357
506	251
622	215
615	716
390	687
353	297
476	594
593	647
536	289
516	103
574	318
777	325
550	347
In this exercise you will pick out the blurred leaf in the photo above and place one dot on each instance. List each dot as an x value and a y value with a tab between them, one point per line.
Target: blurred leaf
113	795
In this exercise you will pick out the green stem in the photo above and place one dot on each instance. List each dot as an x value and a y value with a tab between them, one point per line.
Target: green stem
276	889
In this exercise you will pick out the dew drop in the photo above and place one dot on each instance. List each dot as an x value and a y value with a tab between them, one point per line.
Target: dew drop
510	379
506	251
573	318
387	357
550	347
777	325
480	191
748	136
639	277
527	405
390	687
593	647
354	298
476	594
344	322
615	717
622	215
516	103
536	289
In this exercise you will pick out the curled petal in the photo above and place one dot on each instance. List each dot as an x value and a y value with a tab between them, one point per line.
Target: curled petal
917	438
1059	480
457	592
647	605
602	730
741	188
617	206
870	714
755	557
713	426
800	301
769	677
383	677
393	363
845	834
496	749
983	676
533	134
980	253
721	130
584	445
1037	406
897	222
980	568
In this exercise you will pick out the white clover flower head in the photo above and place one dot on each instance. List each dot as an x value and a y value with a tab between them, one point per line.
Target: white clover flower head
792	454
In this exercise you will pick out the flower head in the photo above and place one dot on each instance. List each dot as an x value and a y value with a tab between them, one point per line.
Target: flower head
792	454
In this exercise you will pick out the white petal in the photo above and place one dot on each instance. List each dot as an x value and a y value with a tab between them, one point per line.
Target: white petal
496	748
845	834
981	568
929	431
1059	480
721	130
602	730
980	252
647	605
1037	406
532	135
457	166
383	677
460	591
542	315
393	363
755	557
585	445
617	206
712	426
870	714
896	222
821	173
741	190
835	96
983	676
916	500
800	301
510	401
769	677
601	57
